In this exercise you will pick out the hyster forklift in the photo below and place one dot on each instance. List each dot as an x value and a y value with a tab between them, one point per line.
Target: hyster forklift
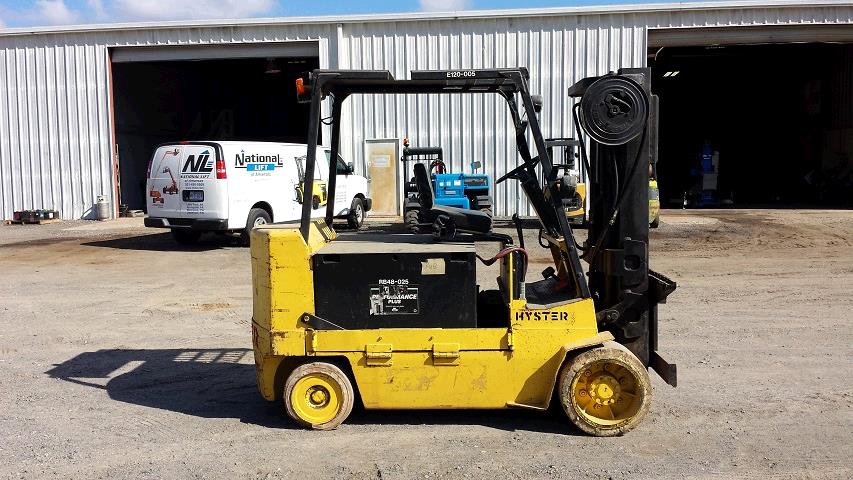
396	321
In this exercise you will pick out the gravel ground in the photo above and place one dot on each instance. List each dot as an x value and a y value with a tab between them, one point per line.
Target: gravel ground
124	356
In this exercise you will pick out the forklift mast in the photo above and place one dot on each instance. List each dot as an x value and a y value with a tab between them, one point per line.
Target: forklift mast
619	114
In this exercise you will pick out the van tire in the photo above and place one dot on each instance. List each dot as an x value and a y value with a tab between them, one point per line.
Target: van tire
357	214
257	216
186	237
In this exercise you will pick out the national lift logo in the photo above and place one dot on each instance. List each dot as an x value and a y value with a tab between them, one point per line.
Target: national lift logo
201	163
257	163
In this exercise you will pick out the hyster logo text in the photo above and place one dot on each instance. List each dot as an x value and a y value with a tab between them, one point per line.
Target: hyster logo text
542	316
202	164
255	162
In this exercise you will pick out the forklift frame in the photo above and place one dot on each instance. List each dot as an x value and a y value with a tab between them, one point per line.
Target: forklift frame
507	83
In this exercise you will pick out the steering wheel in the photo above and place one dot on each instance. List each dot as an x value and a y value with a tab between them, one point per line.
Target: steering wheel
437	165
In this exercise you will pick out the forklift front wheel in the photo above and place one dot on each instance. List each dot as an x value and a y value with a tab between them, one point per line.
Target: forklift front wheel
605	391
318	395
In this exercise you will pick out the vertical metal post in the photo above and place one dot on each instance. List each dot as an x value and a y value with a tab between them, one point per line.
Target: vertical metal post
333	159
310	161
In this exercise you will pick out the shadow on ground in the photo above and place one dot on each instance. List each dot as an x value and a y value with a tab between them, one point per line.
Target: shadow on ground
220	383
163	242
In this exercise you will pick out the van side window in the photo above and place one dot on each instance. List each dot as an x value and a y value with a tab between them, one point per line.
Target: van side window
341	167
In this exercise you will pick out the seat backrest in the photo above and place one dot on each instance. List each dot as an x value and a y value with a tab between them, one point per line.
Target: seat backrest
425	192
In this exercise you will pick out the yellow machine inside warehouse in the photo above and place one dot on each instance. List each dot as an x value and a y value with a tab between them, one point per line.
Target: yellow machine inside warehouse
397	321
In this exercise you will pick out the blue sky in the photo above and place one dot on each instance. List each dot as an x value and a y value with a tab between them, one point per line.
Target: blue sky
21	13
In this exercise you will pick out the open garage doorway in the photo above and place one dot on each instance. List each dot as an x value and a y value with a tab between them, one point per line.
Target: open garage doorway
755	125
157	101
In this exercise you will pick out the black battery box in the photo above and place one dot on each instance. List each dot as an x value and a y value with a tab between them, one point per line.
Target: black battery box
364	281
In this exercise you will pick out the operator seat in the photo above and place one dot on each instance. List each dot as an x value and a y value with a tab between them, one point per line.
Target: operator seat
473	221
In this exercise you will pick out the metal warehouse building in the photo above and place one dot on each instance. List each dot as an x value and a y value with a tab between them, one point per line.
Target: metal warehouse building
766	83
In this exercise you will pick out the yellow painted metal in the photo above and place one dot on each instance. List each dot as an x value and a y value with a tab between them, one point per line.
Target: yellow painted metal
378	355
654	200
445	354
606	393
316	398
402	368
580	189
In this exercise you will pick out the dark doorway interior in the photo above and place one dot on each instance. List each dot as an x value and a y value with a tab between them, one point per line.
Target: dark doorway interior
239	99
780	116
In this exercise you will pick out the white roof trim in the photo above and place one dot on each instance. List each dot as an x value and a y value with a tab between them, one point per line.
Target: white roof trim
420	16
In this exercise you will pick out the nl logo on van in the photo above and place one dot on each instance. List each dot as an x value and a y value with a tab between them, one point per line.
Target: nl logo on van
257	163
201	163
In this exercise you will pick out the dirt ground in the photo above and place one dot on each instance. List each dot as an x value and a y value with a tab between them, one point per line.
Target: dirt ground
124	356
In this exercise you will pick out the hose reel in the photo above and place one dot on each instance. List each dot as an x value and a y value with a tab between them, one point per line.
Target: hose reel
614	110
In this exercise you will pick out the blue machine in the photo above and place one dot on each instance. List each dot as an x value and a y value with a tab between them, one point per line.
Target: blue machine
461	190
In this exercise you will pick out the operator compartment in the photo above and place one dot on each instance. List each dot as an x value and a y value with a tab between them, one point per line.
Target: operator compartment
365	281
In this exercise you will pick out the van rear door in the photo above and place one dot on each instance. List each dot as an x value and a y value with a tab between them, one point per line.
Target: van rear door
162	188
183	182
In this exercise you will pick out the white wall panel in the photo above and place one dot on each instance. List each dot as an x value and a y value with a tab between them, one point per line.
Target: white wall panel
54	96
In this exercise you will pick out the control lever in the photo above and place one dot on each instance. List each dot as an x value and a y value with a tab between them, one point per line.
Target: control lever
517	222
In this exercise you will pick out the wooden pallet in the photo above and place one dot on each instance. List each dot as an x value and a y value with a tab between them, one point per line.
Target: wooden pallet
37	222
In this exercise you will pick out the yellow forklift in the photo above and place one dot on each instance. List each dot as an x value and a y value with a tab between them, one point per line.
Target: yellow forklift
319	191
397	321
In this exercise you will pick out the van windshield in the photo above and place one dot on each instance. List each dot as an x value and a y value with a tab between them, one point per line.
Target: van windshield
341	167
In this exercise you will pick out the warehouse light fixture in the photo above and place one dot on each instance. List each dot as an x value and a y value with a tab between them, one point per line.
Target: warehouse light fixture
671	74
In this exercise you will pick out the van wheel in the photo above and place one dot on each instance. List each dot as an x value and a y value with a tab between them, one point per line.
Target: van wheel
257	217
186	237
356	216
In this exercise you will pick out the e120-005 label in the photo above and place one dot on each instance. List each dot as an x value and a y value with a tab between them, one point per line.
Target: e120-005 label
396	298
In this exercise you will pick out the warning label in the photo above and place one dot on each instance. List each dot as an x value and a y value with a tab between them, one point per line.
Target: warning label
394	299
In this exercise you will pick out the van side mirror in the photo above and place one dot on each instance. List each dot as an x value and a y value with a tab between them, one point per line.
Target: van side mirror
475	165
350	167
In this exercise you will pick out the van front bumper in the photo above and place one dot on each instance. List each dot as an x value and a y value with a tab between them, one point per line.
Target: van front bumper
206	224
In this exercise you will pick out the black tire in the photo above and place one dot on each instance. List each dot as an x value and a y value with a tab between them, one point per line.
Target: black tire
257	216
315	204
655	223
487	210
413	220
357	214
186	237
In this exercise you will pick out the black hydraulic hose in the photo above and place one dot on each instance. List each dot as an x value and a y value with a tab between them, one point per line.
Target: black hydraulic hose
505	252
619	199
584	158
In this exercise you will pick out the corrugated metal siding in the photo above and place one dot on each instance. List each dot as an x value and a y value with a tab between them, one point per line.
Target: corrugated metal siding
54	105
54	150
55	115
557	50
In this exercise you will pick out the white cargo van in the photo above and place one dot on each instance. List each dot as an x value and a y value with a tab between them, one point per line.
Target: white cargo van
196	187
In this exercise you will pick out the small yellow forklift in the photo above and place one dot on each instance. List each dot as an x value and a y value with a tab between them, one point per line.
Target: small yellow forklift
397	321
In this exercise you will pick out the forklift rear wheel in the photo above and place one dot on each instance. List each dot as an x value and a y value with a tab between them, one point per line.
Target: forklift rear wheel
605	391
413	221
356	216
318	395
185	237
315	204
